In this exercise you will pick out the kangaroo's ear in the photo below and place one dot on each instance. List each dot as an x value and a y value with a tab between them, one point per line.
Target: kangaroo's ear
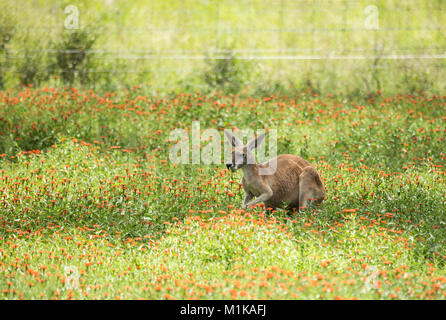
233	140
254	143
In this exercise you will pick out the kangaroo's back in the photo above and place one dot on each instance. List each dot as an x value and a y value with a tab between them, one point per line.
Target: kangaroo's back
285	180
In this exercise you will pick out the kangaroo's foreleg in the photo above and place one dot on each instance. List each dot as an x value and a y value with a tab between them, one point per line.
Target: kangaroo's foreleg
262	198
248	197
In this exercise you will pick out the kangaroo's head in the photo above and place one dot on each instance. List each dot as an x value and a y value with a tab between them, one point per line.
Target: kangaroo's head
242	155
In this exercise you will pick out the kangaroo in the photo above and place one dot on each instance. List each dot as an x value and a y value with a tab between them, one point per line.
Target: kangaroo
294	184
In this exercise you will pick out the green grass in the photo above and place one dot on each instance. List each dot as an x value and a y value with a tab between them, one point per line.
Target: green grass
91	207
127	34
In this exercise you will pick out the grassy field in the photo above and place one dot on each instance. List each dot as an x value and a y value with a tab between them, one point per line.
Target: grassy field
92	208
324	45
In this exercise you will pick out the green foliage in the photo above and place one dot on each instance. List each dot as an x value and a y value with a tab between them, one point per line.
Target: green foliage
86	182
7	30
226	73
228	243
141	47
32	69
73	60
111	191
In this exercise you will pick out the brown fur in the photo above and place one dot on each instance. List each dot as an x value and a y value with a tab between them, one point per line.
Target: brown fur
293	174
293	185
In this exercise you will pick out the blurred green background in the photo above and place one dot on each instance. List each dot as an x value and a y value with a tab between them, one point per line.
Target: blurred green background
353	47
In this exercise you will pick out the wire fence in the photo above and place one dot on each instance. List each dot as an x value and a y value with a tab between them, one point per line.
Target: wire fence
183	12
165	56
340	46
